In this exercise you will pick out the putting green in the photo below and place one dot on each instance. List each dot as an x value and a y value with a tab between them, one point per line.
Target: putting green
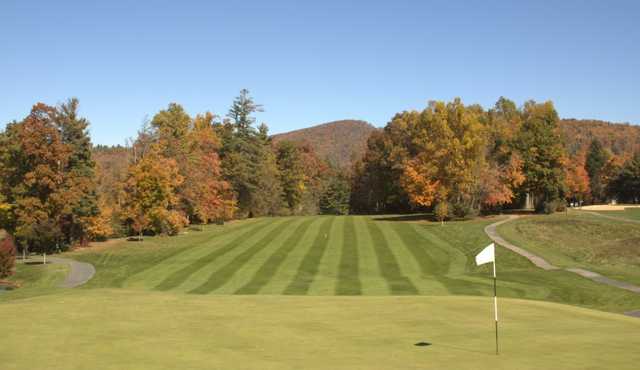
122	329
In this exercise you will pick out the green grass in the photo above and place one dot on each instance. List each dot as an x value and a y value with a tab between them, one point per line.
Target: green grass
579	239
628	213
316	292
124	329
327	255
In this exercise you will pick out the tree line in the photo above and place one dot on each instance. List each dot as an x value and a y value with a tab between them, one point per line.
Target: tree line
179	170
456	160
451	159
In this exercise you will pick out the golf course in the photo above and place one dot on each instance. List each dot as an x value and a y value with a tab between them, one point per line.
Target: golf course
315	292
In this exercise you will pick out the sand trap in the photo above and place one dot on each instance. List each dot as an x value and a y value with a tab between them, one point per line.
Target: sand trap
609	207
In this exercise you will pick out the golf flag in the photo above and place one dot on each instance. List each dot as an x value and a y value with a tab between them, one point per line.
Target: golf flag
488	254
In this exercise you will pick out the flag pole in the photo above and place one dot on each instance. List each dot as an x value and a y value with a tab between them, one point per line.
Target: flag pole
495	301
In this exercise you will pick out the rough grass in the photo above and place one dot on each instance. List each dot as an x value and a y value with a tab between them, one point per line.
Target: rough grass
579	239
123	329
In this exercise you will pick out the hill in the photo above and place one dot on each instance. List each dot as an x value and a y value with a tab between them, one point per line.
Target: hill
621	139
340	142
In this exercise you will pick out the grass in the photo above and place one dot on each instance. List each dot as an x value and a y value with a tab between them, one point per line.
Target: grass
327	256
607	246
318	292
628	213
124	329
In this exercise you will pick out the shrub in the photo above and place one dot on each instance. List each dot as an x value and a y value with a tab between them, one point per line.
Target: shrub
550	206
463	210
7	257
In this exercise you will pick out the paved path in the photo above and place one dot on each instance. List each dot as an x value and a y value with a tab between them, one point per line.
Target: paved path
79	272
545	265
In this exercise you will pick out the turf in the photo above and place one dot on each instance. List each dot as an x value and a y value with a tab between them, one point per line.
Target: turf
125	329
579	239
327	256
313	292
628	213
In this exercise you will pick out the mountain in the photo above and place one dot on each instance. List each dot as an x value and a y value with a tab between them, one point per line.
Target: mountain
340	142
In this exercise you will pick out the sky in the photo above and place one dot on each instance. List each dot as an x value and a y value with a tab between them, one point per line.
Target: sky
309	62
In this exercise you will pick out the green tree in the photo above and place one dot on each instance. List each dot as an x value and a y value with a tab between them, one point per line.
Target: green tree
335	199
542	152
79	173
597	158
626	185
248	161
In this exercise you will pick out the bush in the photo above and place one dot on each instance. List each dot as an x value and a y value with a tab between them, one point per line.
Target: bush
551	206
7	257
463	210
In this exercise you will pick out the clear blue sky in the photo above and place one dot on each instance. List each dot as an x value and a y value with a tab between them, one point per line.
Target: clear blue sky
312	62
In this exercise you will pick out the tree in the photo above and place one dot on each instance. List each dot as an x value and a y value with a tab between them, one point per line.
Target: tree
626	185
150	199
248	161
540	146
7	256
335	199
241	113
206	196
446	156
79	174
596	159
33	159
291	173
577	179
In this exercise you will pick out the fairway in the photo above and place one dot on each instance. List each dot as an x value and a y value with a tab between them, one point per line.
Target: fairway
120	329
336	255
317	292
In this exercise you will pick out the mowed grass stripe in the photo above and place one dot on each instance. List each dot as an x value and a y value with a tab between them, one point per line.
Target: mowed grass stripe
348	273
221	276
158	261
309	266
273	263
388	264
433	261
177	278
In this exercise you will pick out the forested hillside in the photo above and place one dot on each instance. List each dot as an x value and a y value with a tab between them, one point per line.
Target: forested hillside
621	139
340	142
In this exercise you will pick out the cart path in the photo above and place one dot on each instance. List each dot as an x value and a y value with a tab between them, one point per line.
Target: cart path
540	262
79	272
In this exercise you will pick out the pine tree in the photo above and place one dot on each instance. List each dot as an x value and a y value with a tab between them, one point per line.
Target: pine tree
597	158
79	173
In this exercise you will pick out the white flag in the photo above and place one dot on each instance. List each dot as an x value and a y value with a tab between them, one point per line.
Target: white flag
487	255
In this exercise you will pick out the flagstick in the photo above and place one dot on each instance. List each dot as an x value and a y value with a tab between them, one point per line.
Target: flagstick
495	301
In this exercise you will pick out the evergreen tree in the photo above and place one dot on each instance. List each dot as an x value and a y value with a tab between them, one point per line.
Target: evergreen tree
79	174
597	158
248	161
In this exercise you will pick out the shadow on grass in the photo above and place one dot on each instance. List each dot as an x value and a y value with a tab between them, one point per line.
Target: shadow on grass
410	217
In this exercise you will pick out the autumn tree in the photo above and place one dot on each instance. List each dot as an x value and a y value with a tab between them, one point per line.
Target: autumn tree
33	158
446	155
577	179
150	201
7	256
